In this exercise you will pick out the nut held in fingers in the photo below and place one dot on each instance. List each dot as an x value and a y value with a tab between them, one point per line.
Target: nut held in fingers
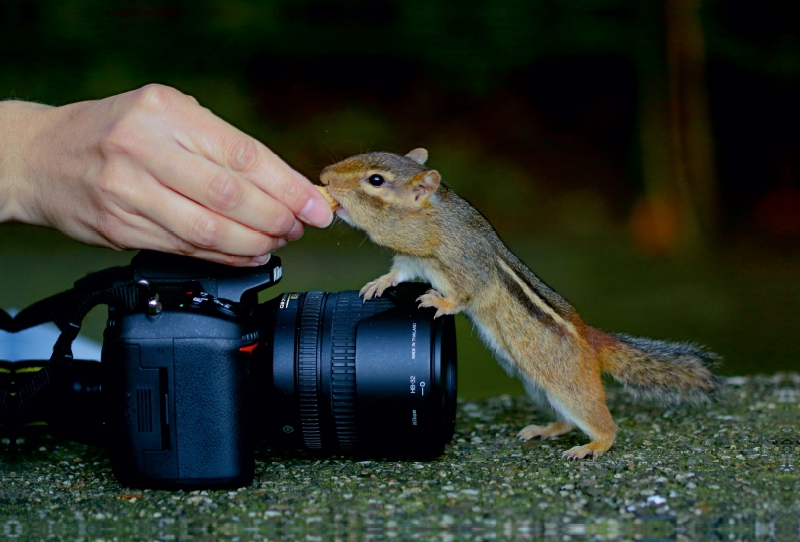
332	202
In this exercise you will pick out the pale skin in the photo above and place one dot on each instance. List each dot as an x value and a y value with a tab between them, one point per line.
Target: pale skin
151	169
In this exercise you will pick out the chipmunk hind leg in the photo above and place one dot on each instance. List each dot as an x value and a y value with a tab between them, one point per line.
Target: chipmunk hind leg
582	402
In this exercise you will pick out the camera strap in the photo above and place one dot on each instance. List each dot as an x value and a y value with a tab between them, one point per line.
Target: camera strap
115	286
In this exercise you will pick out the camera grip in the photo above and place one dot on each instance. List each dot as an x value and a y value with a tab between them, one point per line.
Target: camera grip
178	406
211	403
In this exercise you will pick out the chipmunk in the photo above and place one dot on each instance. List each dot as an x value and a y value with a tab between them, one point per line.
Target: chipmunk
535	334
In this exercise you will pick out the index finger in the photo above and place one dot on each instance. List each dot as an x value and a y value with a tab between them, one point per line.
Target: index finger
227	146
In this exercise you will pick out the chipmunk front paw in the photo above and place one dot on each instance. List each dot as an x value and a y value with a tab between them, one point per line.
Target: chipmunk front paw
434	299
378	286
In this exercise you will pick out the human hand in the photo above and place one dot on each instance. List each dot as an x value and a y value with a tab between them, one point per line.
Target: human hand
152	169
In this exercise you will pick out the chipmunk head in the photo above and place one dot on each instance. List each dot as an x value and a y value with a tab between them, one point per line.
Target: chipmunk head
377	190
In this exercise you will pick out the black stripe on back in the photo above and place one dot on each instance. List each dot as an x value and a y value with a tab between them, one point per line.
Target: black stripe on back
539	288
533	309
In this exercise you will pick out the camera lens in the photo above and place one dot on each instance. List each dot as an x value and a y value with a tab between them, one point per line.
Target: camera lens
342	375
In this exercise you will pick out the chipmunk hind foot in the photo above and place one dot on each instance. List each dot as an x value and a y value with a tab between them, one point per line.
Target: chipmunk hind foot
594	449
550	430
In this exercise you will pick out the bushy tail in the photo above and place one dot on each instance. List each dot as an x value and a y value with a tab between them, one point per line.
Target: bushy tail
670	372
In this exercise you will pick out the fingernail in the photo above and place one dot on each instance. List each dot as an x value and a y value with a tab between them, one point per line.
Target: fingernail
297	231
316	213
282	242
261	260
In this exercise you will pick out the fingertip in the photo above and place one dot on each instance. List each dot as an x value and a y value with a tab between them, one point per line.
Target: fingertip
296	231
316	213
260	260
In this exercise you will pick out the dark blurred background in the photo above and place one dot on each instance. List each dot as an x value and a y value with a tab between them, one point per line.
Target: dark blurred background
641	156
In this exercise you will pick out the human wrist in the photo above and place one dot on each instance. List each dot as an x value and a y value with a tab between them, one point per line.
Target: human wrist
19	124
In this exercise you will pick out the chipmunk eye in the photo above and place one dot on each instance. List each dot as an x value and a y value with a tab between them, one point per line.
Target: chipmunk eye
376	180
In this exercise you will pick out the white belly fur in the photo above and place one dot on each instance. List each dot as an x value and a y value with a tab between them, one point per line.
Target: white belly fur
410	268
506	361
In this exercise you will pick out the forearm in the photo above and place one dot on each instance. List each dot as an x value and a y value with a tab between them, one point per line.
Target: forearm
19	124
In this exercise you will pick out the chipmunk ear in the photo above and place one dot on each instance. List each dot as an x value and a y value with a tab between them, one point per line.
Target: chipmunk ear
420	156
425	184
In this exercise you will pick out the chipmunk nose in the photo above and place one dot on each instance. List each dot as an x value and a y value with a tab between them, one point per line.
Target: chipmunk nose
325	176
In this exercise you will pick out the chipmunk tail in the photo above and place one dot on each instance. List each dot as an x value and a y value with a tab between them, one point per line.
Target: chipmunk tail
670	372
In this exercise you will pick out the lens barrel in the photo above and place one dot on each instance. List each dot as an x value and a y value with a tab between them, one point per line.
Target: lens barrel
374	378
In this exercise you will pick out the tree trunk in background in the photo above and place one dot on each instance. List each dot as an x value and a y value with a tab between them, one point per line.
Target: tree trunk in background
679	208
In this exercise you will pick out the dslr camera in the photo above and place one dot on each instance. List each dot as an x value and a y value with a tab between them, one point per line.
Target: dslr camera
195	372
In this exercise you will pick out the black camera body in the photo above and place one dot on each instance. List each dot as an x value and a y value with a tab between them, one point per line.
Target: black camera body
195	372
177	375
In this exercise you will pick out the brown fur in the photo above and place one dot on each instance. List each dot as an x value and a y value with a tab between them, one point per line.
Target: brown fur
536	334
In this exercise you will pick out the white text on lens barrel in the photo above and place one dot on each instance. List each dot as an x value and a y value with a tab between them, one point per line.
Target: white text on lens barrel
414	340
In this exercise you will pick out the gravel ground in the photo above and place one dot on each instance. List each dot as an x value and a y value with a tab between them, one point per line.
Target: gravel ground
725	472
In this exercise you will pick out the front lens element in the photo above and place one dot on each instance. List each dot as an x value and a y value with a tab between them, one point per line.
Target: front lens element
366	378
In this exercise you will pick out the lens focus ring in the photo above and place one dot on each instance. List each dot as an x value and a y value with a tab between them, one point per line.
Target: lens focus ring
308	369
343	369
350	310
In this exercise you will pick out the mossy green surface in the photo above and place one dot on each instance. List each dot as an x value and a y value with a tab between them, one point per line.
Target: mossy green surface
726	470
